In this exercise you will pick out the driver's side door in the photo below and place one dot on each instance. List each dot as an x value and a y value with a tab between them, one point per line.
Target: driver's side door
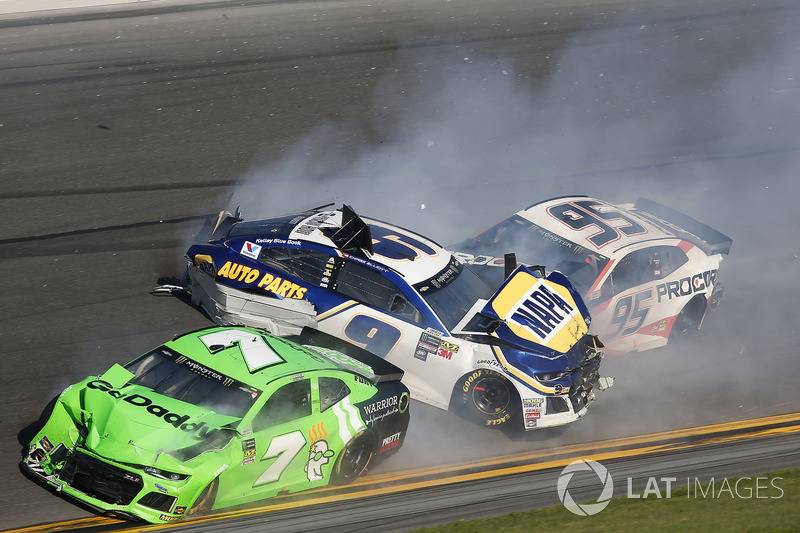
285	450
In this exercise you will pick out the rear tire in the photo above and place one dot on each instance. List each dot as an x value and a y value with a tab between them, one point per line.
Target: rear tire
688	321
353	459
487	397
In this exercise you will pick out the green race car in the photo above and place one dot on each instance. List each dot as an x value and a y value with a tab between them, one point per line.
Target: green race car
219	417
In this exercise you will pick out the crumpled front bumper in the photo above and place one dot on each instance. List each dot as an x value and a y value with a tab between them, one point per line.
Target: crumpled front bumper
573	403
233	307
110	489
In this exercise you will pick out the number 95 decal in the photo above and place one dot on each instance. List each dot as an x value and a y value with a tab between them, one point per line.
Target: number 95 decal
630	312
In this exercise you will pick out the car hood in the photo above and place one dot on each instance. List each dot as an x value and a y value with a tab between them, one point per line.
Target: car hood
541	315
135	425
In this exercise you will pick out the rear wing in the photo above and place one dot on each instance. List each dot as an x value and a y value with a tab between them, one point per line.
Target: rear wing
704	237
353	236
216	227
373	368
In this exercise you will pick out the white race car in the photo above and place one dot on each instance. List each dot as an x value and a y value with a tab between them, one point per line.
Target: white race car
515	355
647	272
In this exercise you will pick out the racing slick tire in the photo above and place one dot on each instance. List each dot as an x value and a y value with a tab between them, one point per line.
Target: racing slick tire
689	319
205	501
353	459
487	397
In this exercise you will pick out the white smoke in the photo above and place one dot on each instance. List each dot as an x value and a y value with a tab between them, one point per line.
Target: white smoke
703	121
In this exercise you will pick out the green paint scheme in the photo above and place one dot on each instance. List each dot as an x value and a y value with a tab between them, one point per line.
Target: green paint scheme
160	441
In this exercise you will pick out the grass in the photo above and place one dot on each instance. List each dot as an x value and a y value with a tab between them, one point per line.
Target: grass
776	510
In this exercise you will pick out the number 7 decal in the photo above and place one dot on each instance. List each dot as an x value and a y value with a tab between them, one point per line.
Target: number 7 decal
283	449
255	349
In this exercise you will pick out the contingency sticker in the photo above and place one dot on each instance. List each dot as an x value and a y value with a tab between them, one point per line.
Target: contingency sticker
251	250
428	344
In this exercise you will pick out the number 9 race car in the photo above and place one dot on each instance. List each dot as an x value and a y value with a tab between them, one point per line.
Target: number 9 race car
647	272
519	357
219	417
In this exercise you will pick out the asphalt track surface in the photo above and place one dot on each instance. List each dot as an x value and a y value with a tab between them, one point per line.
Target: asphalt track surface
122	127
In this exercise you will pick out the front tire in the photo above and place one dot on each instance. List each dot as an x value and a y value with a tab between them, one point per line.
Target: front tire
487	397
47	412
353	459
205	501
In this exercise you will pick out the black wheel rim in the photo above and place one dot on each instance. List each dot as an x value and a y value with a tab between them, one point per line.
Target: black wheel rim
688	320
683	324
354	458
491	395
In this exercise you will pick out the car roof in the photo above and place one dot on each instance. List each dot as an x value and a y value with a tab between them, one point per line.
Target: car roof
415	257
627	233
280	357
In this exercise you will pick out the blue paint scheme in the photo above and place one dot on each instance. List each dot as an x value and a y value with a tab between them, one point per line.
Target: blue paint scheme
322	298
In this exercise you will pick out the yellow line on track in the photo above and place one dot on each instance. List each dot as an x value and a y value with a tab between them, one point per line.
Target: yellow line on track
448	474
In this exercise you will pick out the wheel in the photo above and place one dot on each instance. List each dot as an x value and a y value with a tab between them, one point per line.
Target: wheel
688	320
487	397
353	460
205	501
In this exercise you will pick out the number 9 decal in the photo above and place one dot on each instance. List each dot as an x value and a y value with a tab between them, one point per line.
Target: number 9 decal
373	335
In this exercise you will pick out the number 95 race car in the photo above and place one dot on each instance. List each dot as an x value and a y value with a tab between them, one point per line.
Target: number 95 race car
519	356
219	417
647	272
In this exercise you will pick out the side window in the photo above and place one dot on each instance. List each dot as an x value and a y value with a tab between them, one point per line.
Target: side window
307	265
367	285
633	269
290	402
331	392
648	264
669	259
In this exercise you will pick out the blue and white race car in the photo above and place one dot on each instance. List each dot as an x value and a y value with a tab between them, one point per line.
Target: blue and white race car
519	356
647	272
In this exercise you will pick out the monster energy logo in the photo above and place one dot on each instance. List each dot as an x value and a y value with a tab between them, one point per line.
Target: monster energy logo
202	370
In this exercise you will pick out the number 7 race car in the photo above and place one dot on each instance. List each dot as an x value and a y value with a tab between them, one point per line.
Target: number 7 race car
520	356
647	272
219	417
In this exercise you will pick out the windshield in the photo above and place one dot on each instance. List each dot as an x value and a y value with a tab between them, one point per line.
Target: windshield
171	374
453	291
534	245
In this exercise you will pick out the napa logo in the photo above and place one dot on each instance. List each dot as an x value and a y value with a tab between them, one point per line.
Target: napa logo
543	311
251	250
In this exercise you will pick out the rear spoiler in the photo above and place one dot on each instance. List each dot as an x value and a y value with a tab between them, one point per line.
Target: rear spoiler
216	227
380	370
353	236
704	237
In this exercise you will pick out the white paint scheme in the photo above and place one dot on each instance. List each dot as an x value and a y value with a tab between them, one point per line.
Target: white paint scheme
608	306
